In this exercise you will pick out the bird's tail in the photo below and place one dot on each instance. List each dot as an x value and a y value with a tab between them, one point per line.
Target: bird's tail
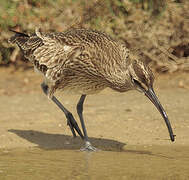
19	38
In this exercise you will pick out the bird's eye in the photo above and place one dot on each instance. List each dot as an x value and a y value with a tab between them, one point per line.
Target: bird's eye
136	82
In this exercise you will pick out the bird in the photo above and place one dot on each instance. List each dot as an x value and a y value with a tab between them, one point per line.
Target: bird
85	62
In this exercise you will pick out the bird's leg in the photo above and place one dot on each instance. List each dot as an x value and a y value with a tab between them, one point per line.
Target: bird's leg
88	146
70	119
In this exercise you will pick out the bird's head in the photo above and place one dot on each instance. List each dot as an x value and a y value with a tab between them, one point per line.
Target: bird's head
141	76
141	79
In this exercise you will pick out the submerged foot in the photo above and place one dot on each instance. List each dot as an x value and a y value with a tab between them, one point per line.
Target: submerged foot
89	147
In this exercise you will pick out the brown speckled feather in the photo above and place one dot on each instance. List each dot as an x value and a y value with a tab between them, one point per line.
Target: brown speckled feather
79	59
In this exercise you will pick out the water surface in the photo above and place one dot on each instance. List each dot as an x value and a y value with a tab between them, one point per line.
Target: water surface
134	162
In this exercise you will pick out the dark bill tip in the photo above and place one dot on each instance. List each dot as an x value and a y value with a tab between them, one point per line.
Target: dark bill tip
172	137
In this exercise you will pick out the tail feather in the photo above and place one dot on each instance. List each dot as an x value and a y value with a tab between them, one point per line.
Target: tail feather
19	39
19	33
27	43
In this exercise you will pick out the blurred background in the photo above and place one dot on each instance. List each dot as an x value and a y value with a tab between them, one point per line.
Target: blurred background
156	30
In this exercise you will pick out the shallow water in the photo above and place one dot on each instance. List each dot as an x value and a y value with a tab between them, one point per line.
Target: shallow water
134	162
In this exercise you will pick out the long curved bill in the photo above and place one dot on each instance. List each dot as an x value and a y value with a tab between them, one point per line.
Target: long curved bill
153	98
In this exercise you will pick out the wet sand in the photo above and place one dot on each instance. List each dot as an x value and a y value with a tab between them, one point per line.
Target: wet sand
137	162
35	141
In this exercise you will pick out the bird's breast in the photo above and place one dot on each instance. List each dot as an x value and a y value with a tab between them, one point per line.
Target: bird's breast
81	85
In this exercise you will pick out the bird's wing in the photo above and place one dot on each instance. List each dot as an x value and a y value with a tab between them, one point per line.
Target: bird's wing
54	51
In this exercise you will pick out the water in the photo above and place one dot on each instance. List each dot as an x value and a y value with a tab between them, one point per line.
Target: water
136	162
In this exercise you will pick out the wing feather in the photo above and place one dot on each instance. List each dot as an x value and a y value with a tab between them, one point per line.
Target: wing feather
53	52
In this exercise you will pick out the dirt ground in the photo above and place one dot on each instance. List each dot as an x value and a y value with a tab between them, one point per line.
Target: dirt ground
29	119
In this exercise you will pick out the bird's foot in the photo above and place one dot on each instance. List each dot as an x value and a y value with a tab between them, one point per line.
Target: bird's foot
71	128
88	147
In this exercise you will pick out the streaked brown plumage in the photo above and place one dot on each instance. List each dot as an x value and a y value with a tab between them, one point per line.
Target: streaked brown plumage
86	62
81	60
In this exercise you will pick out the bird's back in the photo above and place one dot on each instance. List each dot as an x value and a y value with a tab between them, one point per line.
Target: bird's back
75	58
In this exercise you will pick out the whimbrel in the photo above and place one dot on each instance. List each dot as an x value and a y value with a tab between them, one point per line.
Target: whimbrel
86	62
